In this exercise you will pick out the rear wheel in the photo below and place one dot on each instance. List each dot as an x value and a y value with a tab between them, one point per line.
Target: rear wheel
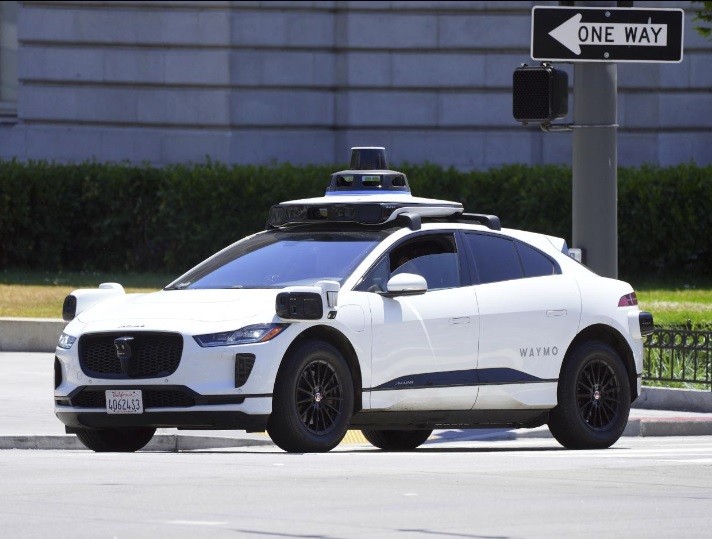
593	398
313	399
125	440
397	440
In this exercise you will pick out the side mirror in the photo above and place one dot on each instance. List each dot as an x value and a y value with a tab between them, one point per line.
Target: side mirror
406	284
308	302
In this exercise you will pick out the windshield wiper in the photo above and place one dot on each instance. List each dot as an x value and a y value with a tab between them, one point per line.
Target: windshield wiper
179	286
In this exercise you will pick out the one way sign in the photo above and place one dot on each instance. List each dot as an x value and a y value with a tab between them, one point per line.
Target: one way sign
607	34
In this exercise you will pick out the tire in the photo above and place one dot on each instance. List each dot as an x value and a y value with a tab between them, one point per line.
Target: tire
125	440
397	440
313	399
593	398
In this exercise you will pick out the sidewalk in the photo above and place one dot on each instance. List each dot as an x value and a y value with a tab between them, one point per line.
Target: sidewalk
27	419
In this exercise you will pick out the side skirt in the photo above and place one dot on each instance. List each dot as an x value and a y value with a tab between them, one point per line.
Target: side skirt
463	419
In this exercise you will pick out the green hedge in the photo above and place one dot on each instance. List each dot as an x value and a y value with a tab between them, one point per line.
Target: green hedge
108	217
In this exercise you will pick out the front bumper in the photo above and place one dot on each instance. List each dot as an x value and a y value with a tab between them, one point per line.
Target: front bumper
207	390
85	408
218	420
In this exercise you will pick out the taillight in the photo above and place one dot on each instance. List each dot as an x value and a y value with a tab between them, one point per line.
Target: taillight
629	300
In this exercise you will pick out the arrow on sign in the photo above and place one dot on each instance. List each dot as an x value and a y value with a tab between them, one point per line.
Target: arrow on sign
574	33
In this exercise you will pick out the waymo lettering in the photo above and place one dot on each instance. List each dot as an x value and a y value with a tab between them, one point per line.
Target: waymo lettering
543	351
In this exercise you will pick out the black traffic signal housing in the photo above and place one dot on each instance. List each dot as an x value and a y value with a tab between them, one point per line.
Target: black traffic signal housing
540	94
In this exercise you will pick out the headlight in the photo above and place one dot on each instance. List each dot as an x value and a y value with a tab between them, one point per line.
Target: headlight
66	341
246	335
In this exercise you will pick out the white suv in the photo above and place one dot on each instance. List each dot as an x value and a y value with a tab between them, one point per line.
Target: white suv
367	308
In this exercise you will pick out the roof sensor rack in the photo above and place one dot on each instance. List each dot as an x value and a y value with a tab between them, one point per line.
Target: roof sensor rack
368	158
371	194
411	220
368	174
490	221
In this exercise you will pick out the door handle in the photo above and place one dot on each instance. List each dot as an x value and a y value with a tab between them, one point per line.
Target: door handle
460	320
556	312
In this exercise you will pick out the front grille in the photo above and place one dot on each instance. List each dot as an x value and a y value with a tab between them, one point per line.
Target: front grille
152	398
153	355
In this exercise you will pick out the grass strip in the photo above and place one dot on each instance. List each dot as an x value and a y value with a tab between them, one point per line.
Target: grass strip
35	294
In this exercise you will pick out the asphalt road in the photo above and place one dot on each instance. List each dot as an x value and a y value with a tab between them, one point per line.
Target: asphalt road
642	487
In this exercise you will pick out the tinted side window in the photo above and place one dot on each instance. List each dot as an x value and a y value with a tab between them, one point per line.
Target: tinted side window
535	263
440	270
434	256
496	258
376	279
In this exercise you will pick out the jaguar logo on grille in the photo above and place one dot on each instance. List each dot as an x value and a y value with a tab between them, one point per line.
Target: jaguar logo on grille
123	352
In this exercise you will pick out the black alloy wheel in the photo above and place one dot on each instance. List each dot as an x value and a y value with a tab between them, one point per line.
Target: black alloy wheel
593	398
313	399
598	395
319	397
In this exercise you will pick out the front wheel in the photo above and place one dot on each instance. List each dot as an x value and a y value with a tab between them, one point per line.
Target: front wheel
397	440
593	398
313	399
125	440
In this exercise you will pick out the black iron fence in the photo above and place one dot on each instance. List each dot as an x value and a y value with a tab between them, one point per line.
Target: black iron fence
678	357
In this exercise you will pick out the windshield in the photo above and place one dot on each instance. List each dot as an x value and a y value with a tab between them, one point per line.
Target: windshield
279	259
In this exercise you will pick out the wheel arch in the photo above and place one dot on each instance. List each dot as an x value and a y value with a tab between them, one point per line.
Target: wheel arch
613	338
337	339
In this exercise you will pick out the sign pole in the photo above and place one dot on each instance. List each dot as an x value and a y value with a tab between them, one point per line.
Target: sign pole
595	166
595	36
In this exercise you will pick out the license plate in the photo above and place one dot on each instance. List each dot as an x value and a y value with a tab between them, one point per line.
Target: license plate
124	401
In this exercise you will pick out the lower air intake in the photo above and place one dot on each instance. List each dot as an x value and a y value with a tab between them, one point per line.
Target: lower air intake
243	368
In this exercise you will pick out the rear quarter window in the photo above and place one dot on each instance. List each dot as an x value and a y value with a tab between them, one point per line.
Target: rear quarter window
496	258
503	259
535	264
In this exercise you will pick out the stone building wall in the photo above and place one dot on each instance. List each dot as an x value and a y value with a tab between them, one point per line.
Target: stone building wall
258	82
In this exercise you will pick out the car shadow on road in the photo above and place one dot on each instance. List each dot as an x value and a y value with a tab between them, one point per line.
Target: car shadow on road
363	449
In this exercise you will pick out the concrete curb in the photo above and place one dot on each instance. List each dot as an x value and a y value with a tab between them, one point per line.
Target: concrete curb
675	427
679	400
30	334
645	427
160	442
637	427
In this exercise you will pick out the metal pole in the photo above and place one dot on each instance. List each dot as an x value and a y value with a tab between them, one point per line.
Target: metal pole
595	163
